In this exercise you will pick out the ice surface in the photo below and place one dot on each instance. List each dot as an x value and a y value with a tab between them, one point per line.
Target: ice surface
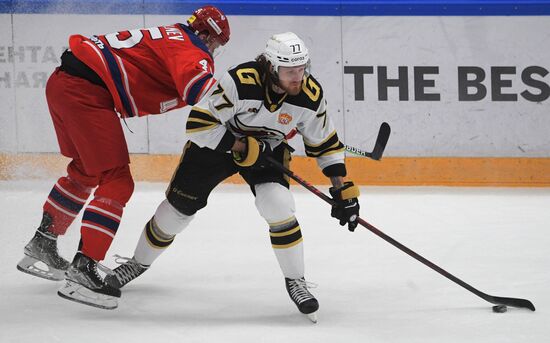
220	282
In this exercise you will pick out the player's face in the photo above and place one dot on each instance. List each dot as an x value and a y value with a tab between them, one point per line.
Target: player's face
291	78
212	45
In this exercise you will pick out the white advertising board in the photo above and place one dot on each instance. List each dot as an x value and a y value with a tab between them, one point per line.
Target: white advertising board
37	50
8	128
448	86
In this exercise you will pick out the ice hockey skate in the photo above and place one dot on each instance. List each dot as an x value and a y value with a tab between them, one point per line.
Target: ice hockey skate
298	291
41	255
86	286
126	272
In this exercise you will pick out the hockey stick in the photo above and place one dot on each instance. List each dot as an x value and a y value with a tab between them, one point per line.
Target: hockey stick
514	302
379	146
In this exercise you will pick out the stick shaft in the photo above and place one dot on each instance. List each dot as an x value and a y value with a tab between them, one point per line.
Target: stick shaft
492	299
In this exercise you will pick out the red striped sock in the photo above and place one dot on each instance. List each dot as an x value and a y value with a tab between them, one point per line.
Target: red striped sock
64	202
99	225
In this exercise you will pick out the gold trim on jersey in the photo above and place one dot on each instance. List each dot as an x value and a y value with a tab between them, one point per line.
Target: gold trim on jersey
324	115
227	103
200	120
260	132
322	142
273	106
312	89
325	151
249	76
328	146
218	90
205	111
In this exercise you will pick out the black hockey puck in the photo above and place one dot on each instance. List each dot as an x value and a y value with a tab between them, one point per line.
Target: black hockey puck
500	308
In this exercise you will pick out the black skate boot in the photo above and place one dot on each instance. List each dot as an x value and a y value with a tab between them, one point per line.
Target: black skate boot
298	291
43	248
126	272
86	286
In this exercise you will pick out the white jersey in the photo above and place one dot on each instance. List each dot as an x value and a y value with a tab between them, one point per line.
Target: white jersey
241	105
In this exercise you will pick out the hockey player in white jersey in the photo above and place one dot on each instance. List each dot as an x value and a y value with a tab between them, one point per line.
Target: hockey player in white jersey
246	117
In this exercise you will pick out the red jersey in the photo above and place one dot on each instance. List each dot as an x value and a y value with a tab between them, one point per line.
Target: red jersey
149	71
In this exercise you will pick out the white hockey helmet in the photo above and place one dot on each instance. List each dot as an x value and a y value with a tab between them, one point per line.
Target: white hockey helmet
286	50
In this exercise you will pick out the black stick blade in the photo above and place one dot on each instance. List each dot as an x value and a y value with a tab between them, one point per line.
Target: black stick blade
381	141
512	302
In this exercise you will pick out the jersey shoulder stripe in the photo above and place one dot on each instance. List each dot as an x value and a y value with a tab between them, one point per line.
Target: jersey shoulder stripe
248	80
331	144
200	119
193	96
310	97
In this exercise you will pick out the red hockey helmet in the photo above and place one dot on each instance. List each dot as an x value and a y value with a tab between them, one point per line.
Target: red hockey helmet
211	20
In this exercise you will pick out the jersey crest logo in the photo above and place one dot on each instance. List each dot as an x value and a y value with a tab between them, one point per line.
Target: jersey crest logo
284	118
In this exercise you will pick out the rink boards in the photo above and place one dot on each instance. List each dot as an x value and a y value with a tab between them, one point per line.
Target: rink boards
392	171
466	96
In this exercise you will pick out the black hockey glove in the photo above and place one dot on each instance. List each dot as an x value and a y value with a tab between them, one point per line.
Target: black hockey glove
346	208
254	155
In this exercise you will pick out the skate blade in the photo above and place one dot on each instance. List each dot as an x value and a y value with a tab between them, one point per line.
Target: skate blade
80	294
29	265
312	317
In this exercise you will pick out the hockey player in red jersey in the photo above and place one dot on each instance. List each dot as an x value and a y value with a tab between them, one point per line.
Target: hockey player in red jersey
101	78
244	118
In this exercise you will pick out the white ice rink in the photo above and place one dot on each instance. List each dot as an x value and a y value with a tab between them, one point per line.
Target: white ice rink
220	282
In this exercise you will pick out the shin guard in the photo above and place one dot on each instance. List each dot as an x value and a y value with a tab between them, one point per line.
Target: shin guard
286	239
152	243
160	232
